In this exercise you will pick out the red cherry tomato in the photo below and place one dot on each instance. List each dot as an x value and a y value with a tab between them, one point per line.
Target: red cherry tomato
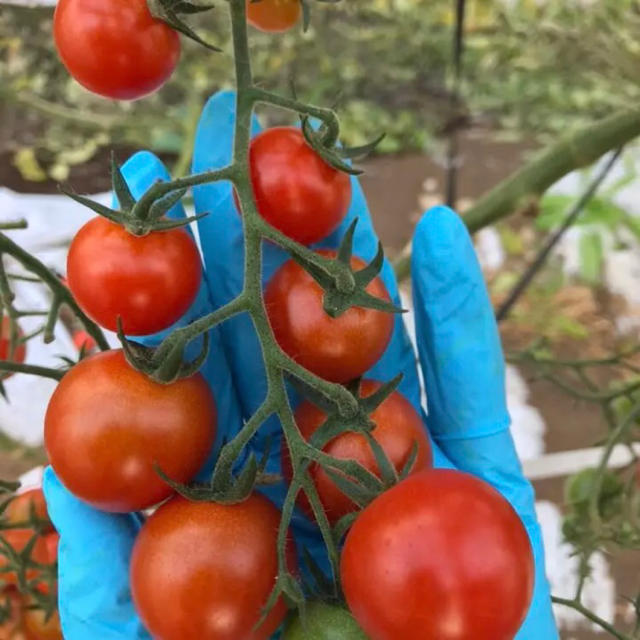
115	48
273	16
440	556
83	341
149	281
20	352
20	508
295	190
107	424
337	349
398	430
205	570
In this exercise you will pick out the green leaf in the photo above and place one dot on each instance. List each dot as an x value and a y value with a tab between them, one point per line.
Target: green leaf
591	257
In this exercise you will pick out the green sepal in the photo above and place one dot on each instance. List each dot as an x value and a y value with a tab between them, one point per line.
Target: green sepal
411	460
169	11
343	525
120	187
352	153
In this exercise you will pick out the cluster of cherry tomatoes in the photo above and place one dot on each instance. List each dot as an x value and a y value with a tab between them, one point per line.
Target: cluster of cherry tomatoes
23	618
440	556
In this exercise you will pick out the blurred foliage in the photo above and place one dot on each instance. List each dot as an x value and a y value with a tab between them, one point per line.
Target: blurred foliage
384	63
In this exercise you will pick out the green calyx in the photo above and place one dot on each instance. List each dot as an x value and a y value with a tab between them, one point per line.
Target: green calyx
345	287
324	142
138	217
171	12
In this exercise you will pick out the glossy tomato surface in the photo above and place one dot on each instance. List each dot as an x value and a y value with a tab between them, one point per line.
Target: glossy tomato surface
149	281
108	424
205	570
24	504
115	48
337	349
273	16
20	352
295	190
399	428
440	556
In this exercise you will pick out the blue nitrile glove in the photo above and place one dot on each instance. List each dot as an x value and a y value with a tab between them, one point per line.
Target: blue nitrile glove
460	357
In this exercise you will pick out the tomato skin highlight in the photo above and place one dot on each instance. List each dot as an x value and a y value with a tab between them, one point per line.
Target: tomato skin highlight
19	509
204	570
440	556
295	190
398	428
149	282
336	349
115	48
20	353
107	424
273	16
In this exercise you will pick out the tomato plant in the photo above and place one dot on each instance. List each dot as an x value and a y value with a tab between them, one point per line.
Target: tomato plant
107	425
20	352
295	190
273	16
205	570
18	539
323	621
399	428
115	48
24	504
148	282
440	556
337	349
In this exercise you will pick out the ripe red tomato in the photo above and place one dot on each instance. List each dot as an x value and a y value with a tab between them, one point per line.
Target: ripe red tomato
205	570
148	281
36	625
295	190
20	352
107	424
337	349
273	16
398	429
18	539
115	48
19	509
440	556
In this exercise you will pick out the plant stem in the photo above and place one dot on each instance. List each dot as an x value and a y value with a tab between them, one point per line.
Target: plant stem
603	624
43	372
61	294
527	184
553	239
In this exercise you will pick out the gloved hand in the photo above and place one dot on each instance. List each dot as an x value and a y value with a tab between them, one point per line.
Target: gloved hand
460	358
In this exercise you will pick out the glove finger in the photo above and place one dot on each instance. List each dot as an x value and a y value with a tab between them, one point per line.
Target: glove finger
141	171
93	567
463	368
